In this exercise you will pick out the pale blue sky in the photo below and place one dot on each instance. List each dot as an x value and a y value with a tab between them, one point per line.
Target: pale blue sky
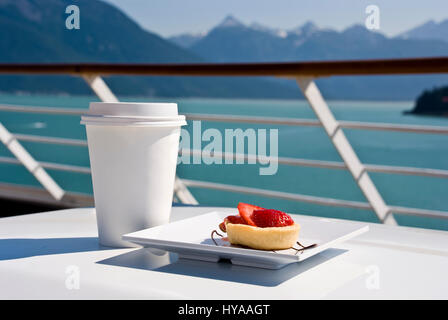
169	17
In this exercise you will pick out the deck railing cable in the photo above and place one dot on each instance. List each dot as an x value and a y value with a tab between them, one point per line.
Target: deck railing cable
303	72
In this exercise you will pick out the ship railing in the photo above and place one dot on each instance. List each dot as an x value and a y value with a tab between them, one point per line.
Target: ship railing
304	73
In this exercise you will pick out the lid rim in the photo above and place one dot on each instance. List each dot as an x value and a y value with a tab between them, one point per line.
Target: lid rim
133	109
136	118
122	121
135	124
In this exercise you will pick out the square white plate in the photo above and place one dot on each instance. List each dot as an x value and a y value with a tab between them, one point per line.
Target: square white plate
190	238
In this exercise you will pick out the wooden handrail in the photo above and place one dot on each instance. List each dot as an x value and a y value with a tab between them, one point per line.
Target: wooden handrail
278	69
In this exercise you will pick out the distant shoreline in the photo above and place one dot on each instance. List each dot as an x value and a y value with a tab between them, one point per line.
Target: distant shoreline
427	114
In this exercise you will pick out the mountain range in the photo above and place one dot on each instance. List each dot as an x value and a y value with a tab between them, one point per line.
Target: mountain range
428	30
34	31
233	41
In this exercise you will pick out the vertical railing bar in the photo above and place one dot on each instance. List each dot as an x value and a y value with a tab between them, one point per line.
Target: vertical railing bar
103	92
13	145
343	146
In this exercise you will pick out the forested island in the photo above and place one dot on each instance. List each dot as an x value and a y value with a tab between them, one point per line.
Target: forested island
432	102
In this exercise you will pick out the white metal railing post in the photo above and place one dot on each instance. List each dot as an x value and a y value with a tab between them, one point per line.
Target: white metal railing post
103	92
343	146
30	164
101	89
72	199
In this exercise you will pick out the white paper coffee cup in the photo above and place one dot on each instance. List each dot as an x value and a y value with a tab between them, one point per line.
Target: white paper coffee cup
133	151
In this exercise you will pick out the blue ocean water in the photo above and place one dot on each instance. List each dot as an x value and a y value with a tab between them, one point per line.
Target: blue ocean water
372	147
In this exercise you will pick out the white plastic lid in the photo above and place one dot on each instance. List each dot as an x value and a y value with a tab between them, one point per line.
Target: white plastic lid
133	113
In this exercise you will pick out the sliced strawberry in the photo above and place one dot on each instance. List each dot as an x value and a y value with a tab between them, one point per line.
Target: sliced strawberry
231	219
235	220
246	210
266	218
222	226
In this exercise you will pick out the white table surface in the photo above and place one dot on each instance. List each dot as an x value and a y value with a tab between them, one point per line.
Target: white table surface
45	256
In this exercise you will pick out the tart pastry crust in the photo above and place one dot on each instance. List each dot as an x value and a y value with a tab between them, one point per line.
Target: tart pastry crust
272	238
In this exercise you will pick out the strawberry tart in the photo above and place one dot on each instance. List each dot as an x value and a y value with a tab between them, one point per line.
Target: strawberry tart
260	228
